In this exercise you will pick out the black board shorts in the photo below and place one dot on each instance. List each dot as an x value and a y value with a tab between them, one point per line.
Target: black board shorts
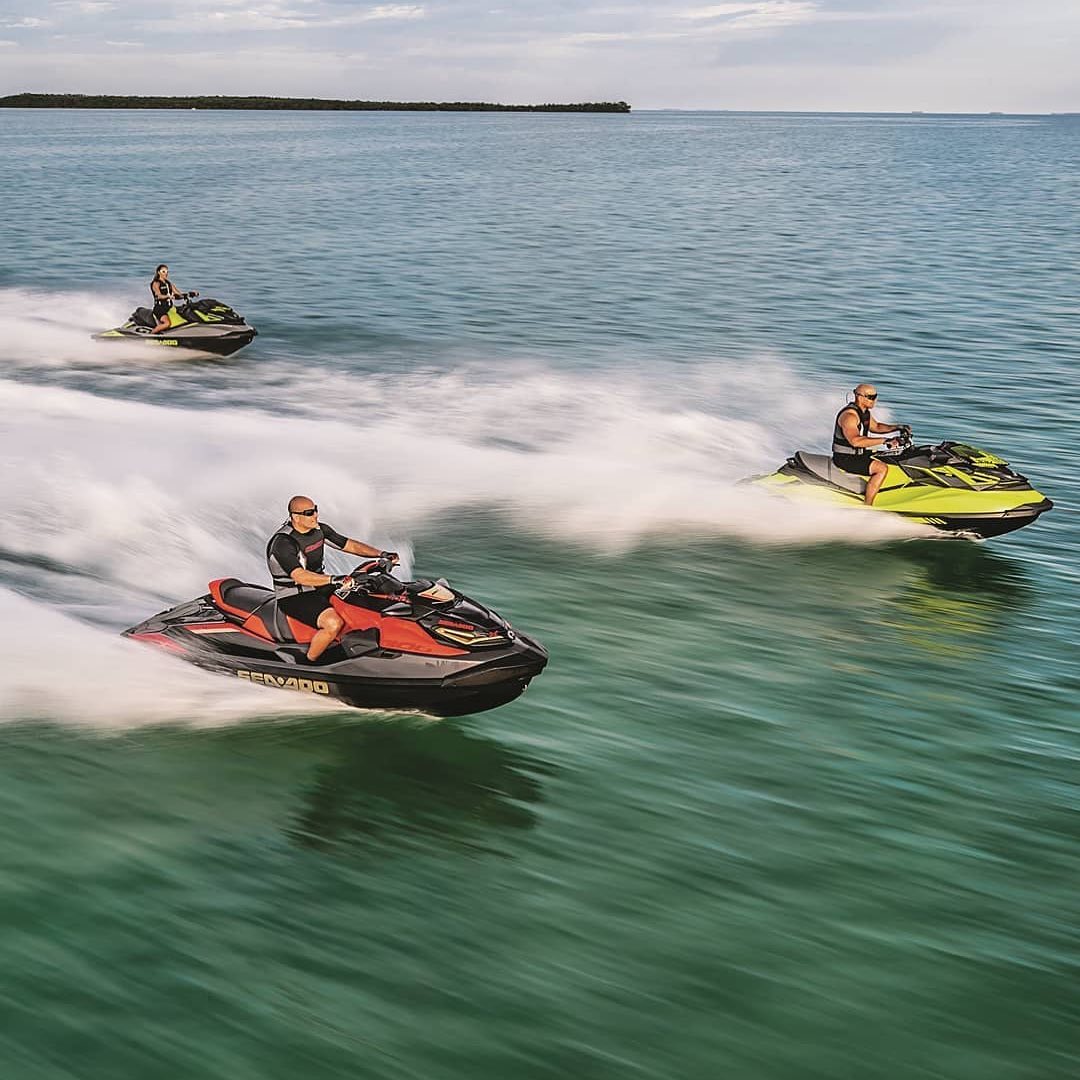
858	464
307	606
161	307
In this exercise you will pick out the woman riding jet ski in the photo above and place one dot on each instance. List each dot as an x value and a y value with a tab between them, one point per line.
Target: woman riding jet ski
952	486
207	325
418	645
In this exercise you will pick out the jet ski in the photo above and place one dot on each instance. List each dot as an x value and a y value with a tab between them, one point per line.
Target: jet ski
207	325
954	487
415	645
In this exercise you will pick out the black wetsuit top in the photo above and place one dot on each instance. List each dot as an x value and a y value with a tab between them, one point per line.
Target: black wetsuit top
289	550
845	456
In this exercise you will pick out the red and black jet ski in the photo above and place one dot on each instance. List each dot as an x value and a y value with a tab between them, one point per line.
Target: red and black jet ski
415	645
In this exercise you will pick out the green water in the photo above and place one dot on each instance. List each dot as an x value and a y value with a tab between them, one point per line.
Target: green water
792	800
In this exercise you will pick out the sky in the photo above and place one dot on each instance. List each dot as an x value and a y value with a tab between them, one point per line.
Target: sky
847	55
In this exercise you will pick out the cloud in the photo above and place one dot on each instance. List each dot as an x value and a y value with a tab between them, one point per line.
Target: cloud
86	7
28	23
723	11
125	44
4	43
730	54
274	16
768	15
598	38
259	20
394	11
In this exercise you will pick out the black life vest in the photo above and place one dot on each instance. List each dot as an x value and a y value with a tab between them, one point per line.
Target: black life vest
283	582
843	452
169	288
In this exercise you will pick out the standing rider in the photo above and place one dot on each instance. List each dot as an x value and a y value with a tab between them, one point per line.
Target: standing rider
295	557
165	294
852	439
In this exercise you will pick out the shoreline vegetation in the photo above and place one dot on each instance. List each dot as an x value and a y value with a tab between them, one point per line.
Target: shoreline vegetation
110	101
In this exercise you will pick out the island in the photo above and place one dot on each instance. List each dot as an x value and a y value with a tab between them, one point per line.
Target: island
111	101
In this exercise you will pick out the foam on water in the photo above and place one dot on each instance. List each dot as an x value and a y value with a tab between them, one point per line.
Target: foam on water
168	498
114	508
58	668
52	329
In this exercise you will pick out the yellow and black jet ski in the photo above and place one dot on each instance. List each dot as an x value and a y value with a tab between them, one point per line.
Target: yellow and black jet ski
206	325
952	486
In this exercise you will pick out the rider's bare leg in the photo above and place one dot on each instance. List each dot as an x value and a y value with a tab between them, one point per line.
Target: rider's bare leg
330	624
878	471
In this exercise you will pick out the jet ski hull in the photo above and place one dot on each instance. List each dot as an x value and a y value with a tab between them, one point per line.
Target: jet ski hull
360	671
977	501
200	339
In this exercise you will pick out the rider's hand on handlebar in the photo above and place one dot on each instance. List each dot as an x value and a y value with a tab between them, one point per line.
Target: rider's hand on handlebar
391	556
342	581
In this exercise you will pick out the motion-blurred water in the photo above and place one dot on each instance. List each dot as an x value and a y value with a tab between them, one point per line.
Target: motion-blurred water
796	796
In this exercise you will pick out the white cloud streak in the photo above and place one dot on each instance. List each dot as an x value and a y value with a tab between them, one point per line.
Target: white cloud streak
272	16
407	12
775	11
86	7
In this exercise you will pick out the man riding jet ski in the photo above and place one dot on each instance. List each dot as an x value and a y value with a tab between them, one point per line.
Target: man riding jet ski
365	639
953	487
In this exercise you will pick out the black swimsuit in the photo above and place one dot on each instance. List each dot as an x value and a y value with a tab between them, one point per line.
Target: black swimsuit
162	306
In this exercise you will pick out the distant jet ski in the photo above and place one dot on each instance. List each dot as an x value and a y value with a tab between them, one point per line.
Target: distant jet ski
405	645
206	325
954	487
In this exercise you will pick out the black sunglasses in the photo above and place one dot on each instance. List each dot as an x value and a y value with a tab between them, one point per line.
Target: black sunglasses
869	397
306	513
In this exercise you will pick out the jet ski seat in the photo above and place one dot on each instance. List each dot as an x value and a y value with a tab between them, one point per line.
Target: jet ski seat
821	466
143	316
240	598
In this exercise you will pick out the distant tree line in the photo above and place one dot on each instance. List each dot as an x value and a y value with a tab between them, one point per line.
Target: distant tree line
109	101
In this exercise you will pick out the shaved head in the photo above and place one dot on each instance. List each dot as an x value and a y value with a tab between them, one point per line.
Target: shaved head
865	388
298	503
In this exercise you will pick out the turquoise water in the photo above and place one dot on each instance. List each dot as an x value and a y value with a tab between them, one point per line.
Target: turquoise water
796	796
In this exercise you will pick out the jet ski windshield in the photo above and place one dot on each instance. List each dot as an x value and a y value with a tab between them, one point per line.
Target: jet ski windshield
958	465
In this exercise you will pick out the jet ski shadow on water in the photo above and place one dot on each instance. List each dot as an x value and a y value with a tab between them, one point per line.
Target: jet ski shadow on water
415	645
953	487
417	784
204	325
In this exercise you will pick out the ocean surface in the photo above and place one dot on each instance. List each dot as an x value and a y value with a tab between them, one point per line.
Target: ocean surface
796	798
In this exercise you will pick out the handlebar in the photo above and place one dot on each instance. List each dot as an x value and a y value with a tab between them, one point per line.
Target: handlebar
379	565
901	442
364	574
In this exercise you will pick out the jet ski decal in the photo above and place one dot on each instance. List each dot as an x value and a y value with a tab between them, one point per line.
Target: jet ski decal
310	686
